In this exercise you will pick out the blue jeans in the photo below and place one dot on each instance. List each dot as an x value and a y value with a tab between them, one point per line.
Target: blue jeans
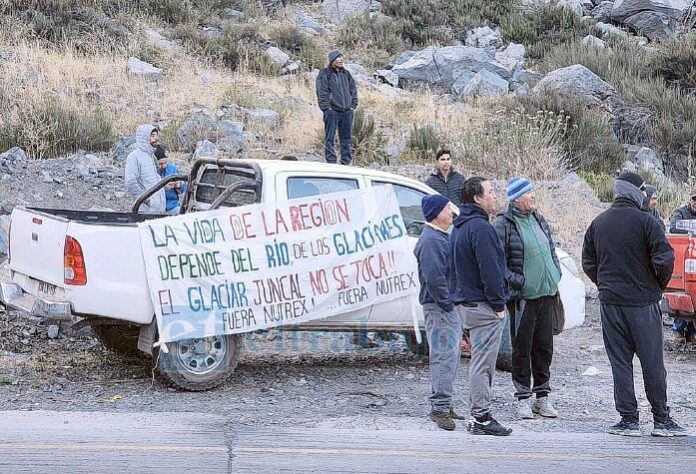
343	122
444	332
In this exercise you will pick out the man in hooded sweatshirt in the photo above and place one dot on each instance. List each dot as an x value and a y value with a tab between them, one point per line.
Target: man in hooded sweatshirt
338	98
479	292
626	254
142	170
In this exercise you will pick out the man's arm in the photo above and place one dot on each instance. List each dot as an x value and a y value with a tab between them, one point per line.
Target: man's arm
491	262
434	262
323	91
589	255
353	91
674	218
515	280
661	253
130	177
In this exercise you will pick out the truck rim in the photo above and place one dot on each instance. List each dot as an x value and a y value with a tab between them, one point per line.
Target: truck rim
202	355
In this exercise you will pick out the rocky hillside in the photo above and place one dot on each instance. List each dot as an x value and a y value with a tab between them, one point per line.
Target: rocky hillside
512	87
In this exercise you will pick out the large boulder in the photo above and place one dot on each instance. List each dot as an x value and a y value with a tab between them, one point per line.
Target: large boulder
602	12
13	160
485	84
230	136
651	24
674	9
508	63
277	56
199	125
577	84
590	40
455	61
607	29
420	67
123	147
484	37
205	149
340	10
387	76
140	68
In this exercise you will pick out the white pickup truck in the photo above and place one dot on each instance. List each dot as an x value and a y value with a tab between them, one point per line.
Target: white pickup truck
87	267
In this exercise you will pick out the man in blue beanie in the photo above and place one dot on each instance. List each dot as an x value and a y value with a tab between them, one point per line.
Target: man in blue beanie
533	274
628	257
338	98
442	324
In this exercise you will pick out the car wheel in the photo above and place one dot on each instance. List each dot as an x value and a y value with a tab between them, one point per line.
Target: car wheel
199	364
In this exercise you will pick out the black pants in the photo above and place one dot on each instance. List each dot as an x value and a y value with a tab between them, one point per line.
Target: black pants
531	330
630	330
343	122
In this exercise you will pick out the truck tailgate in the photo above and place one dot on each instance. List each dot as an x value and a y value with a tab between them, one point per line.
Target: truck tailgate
36	245
680	243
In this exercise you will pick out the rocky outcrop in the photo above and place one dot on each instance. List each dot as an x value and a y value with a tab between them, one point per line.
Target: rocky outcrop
228	135
578	84
340	10
140	68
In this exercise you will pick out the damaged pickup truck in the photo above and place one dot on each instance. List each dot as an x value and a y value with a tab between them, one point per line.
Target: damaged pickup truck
87	267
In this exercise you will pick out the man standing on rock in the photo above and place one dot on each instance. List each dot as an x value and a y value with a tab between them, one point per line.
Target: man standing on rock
533	276
442	324
142	169
626	254
338	98
479	292
445	179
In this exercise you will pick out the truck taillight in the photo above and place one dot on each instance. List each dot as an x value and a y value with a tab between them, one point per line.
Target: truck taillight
75	272
690	265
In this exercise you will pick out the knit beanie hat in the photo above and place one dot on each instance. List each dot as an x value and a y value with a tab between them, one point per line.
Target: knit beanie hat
433	205
633	178
518	187
333	55
650	190
160	152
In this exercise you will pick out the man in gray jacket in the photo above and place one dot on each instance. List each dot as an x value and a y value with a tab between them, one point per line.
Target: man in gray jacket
338	97
141	170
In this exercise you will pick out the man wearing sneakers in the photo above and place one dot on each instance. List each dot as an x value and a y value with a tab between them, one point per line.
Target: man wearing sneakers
533	275
442	324
626	254
479	290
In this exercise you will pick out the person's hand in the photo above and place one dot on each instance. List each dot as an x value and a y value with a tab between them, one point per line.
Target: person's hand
500	314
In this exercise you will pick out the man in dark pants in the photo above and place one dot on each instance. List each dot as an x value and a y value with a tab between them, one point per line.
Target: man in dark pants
442	324
479	291
533	274
626	254
445	179
338	97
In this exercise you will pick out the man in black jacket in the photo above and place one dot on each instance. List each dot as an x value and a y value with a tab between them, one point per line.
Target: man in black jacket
338	97
685	213
533	274
445	179
626	254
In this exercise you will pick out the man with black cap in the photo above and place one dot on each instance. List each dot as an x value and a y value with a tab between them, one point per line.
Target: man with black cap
626	254
338	98
443	326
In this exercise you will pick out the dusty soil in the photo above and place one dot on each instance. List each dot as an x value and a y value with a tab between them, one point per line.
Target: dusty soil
315	379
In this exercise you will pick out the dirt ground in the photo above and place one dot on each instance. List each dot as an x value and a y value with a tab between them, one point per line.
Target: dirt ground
316	379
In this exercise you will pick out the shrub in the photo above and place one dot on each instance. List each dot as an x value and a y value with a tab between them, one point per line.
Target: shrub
376	38
368	142
422	143
513	143
601	183
48	127
292	40
675	60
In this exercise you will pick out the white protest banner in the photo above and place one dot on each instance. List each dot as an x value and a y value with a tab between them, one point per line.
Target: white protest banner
242	269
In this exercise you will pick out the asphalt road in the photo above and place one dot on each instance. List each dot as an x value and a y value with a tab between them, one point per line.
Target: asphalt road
95	442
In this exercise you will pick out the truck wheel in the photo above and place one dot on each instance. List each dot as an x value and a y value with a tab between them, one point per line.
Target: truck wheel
199	364
421	349
120	338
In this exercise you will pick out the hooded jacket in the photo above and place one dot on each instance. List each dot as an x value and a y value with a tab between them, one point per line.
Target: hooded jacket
142	173
172	195
626	254
433	254
506	228
478	260
451	187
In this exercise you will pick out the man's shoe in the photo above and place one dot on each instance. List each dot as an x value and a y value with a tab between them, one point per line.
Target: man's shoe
542	406
456	416
443	419
625	428
668	428
487	425
524	411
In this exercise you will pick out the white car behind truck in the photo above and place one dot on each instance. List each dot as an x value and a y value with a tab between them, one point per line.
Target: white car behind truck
87	267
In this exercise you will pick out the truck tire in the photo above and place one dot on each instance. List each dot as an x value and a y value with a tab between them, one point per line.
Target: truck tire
120	338
199	364
422	349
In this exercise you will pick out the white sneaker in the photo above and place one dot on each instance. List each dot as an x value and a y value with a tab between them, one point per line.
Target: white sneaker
542	406
524	411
